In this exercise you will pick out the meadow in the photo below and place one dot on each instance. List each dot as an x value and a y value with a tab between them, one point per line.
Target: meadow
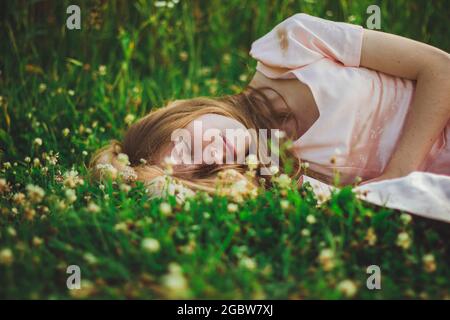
65	93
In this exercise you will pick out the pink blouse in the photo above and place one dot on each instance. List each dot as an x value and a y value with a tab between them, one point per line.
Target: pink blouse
362	111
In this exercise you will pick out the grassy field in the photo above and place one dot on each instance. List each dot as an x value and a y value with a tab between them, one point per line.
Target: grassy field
64	93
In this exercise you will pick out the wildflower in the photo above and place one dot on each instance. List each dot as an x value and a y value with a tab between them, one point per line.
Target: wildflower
66	132
160	4
284	204
6	257
125	187
71	92
175	282
305	232
38	142
123	159
232	207
347	288
29	213
304	165
168	165
42	87
252	161
121	226
311	219
18	198
36	162
93	208
4	186
143	161
7	165
72	180
371	237
283	181
27	159
183	56
165	208
71	196
37	241
243	77
403	240
129	118
35	193
11	231
150	245
102	70
248	263
226	58
429	263
84	153
107	169
405	218
327	259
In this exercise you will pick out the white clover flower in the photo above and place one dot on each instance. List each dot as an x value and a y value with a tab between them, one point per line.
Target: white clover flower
283	181
102	70
252	161
160	4
165	208
38	142
175	283
6	257
429	263
326	259
93	208
71	196
35	193
347	288
129	118
405	218
123	159
284	204
305	232
107	169
71	179
150	245
248	263
371	237
232	207
311	219
71	92
403	240
42	87
66	132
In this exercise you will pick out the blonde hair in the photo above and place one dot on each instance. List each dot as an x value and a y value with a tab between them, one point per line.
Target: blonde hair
136	157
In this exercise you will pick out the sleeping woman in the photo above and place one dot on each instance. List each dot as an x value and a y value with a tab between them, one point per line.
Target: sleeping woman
368	105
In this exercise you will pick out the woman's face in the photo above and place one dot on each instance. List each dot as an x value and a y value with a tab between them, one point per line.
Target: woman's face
211	138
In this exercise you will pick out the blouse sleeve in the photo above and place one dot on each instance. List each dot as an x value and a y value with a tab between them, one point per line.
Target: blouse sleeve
303	39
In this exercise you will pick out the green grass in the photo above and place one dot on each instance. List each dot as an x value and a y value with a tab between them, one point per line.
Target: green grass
51	88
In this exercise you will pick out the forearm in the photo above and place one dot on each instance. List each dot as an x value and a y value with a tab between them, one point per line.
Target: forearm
430	108
427	117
